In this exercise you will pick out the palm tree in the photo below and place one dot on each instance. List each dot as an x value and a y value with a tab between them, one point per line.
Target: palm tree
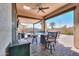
65	31
52	25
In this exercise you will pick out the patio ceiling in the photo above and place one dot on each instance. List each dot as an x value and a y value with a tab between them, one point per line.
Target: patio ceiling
27	20
33	12
31	15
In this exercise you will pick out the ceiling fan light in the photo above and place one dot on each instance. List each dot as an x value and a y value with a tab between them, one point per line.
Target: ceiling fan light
26	7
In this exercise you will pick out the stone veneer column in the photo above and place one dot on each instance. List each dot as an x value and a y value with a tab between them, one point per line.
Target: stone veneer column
76	24
14	23
43	25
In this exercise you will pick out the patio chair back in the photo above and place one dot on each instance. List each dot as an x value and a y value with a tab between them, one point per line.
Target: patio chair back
52	36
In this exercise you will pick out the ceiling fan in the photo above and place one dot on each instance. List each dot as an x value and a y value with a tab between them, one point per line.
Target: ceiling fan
40	8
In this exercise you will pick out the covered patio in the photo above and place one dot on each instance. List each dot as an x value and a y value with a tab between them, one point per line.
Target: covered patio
29	13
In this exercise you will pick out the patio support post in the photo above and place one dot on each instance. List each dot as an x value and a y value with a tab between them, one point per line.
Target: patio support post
33	28
14	23
76	25
43	25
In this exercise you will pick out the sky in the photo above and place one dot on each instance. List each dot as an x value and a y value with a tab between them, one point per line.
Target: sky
63	19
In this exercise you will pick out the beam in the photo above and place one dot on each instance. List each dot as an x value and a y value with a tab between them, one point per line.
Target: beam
61	10
28	17
37	22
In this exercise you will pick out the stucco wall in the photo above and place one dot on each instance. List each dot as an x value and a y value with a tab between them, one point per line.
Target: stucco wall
5	26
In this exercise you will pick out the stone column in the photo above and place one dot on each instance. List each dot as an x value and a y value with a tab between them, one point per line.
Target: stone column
76	25
43	25
46	28
14	23
33	28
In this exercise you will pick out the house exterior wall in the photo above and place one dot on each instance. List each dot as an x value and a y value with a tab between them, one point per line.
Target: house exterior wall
5	26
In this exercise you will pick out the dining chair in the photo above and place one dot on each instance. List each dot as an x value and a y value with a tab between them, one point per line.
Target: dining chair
51	41
34	39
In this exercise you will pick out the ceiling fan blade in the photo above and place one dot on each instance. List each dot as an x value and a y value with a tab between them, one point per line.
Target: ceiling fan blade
38	11
37	6
45	8
43	11
34	8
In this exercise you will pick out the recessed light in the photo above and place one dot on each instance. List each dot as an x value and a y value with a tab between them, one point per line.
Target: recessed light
23	24
26	7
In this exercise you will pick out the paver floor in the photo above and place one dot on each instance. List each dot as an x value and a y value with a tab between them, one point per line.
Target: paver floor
64	47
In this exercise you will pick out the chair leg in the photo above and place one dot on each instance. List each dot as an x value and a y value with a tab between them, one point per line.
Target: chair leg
51	49
48	45
36	40
32	40
54	47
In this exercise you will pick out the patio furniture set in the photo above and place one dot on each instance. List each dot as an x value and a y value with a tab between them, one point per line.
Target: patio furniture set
23	46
